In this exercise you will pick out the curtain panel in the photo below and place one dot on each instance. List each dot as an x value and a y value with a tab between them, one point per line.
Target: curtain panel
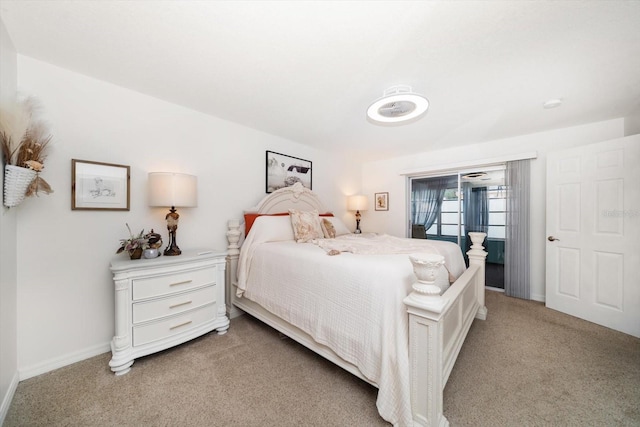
517	238
427	200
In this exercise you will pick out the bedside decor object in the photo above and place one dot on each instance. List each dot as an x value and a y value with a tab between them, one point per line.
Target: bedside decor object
154	243
150	253
99	186
284	171
169	189
136	253
163	302
357	203
155	240
134	245
382	201
24	139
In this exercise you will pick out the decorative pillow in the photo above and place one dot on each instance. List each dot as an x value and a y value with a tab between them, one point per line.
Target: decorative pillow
306	225
328	229
339	226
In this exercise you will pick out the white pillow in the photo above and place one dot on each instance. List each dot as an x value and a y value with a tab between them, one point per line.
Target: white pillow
271	229
306	225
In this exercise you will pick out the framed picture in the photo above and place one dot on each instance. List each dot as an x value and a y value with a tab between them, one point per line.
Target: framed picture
284	171
99	186
382	201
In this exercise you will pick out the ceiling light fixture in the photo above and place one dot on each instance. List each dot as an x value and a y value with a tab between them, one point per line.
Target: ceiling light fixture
398	104
552	103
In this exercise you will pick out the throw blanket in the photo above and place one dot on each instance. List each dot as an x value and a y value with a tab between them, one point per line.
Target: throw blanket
373	244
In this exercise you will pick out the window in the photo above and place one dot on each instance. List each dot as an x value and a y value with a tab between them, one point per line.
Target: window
446	223
497	212
449	219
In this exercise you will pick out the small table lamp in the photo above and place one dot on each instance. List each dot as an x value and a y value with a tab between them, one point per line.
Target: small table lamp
168	189
357	203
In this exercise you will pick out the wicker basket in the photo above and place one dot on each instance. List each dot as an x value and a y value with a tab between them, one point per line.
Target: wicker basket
16	182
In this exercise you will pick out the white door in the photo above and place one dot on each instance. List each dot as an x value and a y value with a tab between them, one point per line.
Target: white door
593	233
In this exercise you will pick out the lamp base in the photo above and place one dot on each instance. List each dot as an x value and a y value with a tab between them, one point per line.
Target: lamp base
172	226
172	251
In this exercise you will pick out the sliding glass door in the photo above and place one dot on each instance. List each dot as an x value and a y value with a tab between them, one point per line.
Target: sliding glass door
446	207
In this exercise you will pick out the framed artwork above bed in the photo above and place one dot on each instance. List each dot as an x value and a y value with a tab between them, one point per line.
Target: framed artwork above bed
284	171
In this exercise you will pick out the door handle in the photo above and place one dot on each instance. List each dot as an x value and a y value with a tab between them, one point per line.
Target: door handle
552	239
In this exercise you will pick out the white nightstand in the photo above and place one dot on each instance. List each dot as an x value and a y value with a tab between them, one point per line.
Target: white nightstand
165	301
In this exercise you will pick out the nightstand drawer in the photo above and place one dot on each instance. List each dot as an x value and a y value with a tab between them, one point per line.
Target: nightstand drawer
155	309
173	325
164	285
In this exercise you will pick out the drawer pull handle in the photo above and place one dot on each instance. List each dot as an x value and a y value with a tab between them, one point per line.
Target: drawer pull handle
179	325
181	283
180	303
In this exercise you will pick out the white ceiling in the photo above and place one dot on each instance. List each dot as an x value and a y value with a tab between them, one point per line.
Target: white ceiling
307	71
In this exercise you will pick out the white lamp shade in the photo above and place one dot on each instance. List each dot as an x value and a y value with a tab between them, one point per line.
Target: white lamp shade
357	202
173	189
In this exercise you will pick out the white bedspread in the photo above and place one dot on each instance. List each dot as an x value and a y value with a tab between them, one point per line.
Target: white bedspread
351	303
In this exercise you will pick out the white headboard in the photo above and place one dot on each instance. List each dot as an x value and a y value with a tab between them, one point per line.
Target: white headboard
294	197
280	201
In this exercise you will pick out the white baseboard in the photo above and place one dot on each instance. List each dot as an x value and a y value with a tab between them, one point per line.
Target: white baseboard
8	397
539	298
59	362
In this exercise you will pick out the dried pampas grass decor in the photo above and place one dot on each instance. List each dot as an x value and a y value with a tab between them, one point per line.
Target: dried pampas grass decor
23	125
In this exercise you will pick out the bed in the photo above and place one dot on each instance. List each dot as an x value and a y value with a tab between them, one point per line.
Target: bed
363	309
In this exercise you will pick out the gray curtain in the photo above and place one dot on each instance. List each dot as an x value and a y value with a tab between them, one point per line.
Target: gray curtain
427	200
517	242
475	212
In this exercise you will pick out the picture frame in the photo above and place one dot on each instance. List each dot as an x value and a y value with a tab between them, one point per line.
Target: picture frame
381	201
282	171
99	186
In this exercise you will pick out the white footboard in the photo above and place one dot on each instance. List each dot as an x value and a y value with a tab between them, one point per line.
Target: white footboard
437	328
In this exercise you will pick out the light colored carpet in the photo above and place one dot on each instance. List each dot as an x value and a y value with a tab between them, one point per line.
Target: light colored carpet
524	366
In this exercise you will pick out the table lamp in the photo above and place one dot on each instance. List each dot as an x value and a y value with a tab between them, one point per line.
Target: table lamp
357	203
168	189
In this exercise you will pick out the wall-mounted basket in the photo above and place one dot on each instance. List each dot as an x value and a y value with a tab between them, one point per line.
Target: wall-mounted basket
16	182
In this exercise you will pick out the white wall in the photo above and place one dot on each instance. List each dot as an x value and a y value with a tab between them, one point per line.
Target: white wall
632	124
386	176
65	293
8	273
